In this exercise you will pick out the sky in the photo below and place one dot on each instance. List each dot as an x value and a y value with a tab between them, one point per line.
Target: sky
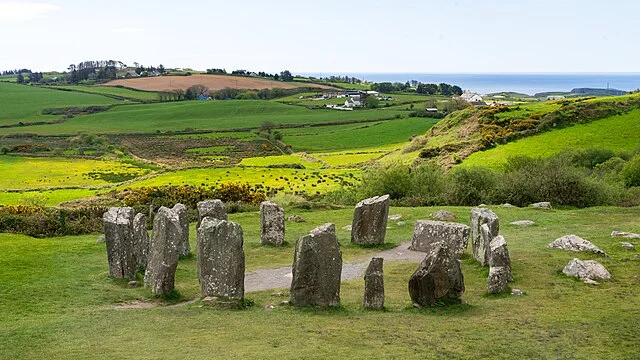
359	36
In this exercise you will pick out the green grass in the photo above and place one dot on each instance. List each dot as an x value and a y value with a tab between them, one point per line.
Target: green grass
211	150
49	197
354	136
57	302
131	94
264	161
23	103
348	158
37	172
198	115
617	133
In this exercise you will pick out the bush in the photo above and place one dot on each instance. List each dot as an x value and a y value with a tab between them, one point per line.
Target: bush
590	158
47	222
285	200
471	186
381	180
631	172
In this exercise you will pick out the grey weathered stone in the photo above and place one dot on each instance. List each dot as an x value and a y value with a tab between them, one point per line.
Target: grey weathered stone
443	215
271	224
141	240
588	269
164	252
347	227
317	266
624	234
374	285
542	205
118	232
133	284
479	242
438	278
428	234
221	261
523	223
101	239
213	209
498	280
395	217
575	243
296	218
628	246
369	225
507	205
183	215
517	292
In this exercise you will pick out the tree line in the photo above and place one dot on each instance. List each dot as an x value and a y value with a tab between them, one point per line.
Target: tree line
16	72
426	89
282	76
32	77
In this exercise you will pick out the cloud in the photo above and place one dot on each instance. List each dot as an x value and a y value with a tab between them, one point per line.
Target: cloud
19	11
127	30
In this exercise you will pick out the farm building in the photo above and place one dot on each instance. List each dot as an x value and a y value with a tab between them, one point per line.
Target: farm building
471	97
555	97
351	103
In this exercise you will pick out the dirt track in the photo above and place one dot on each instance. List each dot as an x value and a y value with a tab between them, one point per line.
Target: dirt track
213	82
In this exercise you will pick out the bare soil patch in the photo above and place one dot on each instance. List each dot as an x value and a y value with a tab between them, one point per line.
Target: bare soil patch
213	82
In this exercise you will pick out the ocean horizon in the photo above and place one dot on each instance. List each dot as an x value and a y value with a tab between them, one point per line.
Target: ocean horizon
526	83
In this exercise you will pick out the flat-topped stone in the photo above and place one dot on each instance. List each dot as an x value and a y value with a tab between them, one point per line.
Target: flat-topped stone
370	217
428	234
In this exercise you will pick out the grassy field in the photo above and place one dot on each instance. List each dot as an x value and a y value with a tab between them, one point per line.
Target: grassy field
354	136
617	133
46	197
113	91
56	297
198	115
23	103
37	172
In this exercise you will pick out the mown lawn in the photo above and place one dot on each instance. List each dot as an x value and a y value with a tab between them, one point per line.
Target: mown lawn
57	303
617	133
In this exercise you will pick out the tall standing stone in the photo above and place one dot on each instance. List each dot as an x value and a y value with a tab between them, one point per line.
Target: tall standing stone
317	267
499	264
119	236
141	236
438	278
183	215
221	261
369	225
271	224
428	234
164	252
480	242
213	209
374	285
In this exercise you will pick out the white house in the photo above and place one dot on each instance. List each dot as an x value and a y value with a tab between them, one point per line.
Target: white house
373	93
350	103
555	97
471	97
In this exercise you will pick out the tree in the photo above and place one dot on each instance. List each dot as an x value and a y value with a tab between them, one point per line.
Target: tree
20	79
286	76
195	91
457	90
161	69
267	126
371	102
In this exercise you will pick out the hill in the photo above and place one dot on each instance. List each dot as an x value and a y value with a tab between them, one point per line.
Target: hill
213	82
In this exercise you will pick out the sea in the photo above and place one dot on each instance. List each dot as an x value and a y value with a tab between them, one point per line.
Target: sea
530	83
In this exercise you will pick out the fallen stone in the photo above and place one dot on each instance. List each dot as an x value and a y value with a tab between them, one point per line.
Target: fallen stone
141	237
628	246
517	292
394	217
575	243
507	205
374	285
590	282
317	266
221	260
133	284
296	218
588	269
101	239
523	223
118	232
401	223
429	234
443	215
271	224
183	215
211	208
437	279
479	242
164	252
369	225
624	234
268	307
542	205
498	280
284	302
347	227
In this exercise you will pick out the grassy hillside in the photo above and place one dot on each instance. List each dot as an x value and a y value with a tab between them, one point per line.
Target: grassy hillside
616	133
56	296
120	92
23	103
198	115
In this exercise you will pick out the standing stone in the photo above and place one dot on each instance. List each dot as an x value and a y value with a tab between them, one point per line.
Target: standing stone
374	285
183	215
438	278
317	266
500	264
370	221
164	252
271	224
141	236
428	234
221	261
213	209
119	236
480	243
498	280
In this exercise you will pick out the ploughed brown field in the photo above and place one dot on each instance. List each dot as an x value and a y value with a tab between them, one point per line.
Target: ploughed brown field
213	82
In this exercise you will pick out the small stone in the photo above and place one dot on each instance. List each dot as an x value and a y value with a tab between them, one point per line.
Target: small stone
417	306
394	217
374	285
278	294
523	223
401	223
369	225
542	205
624	234
443	215
209	299
507	205
296	218
498	280
268	307
101	239
590	282
348	227
285	302
133	284
575	243
517	292
628	246
588	269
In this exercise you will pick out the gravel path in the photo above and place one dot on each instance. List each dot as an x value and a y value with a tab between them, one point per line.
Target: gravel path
269	279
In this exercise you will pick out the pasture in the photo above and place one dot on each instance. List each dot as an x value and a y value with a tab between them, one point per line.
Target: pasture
115	91
56	294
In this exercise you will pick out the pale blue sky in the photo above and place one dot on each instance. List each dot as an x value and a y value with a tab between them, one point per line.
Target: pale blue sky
460	36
